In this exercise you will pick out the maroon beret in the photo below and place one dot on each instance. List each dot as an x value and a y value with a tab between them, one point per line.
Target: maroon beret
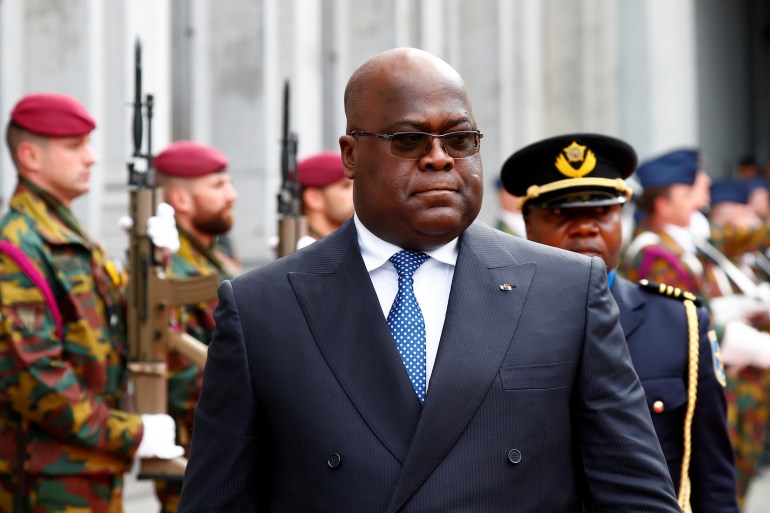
52	115
188	159
320	170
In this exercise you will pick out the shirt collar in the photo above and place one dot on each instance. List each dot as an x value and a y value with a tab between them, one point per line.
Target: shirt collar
376	251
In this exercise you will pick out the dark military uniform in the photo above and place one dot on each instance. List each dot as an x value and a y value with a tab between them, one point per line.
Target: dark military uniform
657	331
676	358
64	444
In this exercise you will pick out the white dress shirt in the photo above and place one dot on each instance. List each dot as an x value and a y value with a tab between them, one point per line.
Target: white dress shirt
432	282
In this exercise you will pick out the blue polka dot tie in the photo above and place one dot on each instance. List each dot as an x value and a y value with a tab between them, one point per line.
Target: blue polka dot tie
405	319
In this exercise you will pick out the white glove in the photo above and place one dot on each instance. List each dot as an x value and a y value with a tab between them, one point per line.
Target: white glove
159	440
125	223
744	345
162	228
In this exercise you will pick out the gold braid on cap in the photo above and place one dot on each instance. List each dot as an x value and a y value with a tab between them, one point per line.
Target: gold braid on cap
610	183
685	485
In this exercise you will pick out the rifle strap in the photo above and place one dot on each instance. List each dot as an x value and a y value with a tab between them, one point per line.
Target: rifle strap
25	265
208	253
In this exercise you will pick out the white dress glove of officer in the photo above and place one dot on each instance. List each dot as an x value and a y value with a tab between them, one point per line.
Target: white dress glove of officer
161	228
159	440
744	345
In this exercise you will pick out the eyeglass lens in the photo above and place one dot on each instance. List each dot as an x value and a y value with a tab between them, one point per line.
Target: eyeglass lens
415	145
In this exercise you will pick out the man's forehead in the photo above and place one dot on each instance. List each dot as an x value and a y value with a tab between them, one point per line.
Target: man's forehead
211	179
406	107
73	139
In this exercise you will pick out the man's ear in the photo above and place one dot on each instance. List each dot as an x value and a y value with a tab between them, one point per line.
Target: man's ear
179	198
312	199
347	148
29	155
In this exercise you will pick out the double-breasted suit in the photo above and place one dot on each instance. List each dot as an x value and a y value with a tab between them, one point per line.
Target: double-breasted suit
656	331
533	404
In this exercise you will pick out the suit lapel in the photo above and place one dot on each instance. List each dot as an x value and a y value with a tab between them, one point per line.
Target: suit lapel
630	303
344	315
480	323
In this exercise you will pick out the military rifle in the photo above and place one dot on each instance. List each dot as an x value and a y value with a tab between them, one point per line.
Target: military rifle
152	295
292	225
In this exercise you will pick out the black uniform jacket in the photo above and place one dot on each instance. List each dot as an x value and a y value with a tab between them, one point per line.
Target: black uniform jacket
656	330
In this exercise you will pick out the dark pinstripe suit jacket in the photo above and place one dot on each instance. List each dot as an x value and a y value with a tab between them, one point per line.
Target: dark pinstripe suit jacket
533	405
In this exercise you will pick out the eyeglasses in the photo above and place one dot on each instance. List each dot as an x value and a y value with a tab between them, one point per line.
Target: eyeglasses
415	145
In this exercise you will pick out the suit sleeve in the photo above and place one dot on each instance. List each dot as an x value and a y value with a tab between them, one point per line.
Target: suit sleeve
622	461
712	468
227	450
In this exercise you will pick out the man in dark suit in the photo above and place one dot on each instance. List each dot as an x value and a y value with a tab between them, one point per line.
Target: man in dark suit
414	360
674	354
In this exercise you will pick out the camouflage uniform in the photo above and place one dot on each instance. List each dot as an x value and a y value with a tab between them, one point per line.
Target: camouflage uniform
660	259
185	377
748	392
60	418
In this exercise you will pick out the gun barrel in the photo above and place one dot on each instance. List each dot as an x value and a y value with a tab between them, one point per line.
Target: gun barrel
137	128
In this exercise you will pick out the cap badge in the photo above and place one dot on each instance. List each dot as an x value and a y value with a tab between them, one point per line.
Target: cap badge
575	153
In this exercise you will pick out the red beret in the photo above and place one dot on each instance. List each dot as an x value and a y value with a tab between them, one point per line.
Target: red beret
52	115
320	170
188	159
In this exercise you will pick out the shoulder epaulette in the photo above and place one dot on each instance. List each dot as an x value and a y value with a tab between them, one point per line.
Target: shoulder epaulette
668	290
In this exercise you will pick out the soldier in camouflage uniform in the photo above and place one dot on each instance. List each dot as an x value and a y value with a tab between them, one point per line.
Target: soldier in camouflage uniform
197	185
664	249
64	441
327	195
737	227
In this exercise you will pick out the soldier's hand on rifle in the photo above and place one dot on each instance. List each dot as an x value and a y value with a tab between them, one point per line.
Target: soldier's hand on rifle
159	440
162	228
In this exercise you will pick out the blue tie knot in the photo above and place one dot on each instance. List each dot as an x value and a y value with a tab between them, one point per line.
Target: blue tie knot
407	262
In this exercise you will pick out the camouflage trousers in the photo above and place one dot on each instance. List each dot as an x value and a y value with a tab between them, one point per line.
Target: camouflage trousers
63	494
748	411
168	493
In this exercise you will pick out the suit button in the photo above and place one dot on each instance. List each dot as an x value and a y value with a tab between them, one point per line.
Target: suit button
514	456
658	406
334	460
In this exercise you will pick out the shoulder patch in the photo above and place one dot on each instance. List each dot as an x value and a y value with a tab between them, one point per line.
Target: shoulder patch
668	290
716	357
